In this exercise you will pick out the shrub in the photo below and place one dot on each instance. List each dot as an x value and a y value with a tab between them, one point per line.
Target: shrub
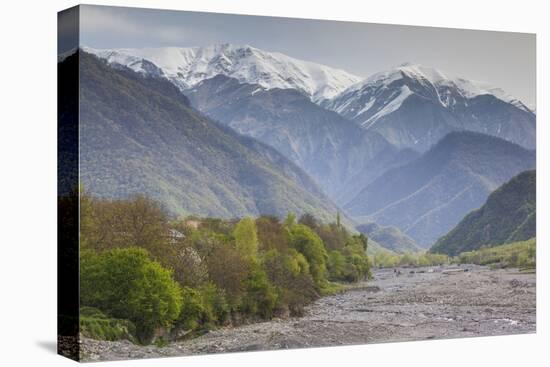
336	265
517	254
96	325
216	308
192	309
127	284
261	296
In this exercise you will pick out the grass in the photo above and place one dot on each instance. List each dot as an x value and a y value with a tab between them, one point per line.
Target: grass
96	325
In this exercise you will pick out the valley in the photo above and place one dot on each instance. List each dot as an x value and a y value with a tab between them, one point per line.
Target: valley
399	304
221	193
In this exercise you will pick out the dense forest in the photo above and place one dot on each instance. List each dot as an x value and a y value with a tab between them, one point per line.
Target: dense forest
148	277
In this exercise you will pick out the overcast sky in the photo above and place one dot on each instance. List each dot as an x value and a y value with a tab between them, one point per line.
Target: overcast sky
504	59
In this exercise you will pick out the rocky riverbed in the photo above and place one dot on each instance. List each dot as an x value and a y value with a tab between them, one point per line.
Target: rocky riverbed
397	305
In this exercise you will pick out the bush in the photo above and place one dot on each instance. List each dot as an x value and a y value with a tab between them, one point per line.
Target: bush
96	325
192	309
336	265
127	284
261	296
216	308
517	254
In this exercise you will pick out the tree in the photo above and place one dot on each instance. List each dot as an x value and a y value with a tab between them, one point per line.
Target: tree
127	284
290	220
261	296
308	243
246	238
309	220
271	234
138	221
228	270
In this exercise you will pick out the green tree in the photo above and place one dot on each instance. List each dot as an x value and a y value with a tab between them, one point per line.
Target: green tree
127	284
246	238
261	296
308	243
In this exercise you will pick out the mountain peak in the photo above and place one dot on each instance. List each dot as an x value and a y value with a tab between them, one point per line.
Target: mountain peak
187	66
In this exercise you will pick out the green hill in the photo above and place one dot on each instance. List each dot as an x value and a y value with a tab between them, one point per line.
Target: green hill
139	135
508	215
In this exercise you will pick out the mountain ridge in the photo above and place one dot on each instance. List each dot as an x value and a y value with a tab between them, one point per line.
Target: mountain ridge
187	66
428	196
508	215
190	163
331	149
413	106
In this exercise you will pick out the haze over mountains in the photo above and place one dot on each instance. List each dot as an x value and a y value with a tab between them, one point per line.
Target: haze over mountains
393	148
428	196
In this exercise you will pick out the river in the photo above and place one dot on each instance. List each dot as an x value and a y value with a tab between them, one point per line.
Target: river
397	305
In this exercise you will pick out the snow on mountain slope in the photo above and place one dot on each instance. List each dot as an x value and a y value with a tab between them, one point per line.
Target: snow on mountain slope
413	106
432	79
186	67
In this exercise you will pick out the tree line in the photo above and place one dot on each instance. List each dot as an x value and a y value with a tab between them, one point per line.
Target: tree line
179	277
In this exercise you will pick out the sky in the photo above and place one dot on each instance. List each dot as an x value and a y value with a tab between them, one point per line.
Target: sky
503	59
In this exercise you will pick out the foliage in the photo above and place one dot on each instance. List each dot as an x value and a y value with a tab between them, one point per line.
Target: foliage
271	234
289	273
127	284
308	243
386	259
214	272
246	238
261	295
517	254
96	325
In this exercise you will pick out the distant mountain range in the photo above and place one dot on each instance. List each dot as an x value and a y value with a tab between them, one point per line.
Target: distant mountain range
414	107
333	150
428	196
389	237
508	215
186	67
411	147
139	135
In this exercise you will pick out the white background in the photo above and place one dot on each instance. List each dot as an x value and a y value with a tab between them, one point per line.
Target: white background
28	181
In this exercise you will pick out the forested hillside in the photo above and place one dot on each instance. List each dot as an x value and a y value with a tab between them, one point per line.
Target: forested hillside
508	215
138	135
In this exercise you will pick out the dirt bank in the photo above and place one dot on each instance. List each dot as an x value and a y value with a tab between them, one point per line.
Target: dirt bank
426	303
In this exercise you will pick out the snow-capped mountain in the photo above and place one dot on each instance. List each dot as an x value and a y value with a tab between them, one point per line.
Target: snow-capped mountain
340	155
186	67
414	106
